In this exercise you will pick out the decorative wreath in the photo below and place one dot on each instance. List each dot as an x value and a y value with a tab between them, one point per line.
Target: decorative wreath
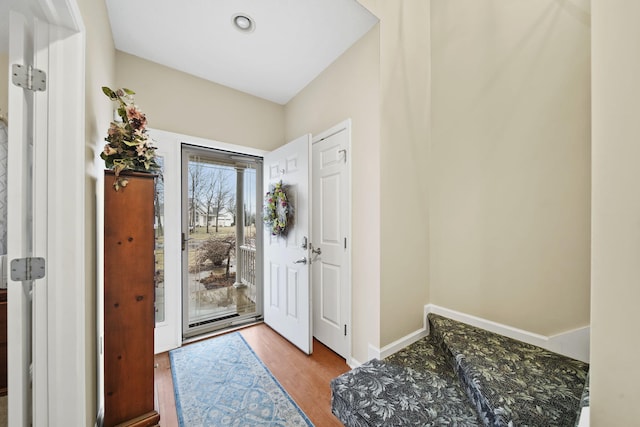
276	210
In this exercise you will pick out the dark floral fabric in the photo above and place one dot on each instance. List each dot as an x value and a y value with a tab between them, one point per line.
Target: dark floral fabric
386	394
584	402
511	383
423	355
463	376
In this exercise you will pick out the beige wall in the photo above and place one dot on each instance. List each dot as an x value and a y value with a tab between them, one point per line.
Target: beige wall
510	161
349	89
615	289
100	71
4	88
404	155
486	211
177	102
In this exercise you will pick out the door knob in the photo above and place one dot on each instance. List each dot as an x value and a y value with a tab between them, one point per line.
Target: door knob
302	260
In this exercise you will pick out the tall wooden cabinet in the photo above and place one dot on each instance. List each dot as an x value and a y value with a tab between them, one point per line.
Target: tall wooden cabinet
129	318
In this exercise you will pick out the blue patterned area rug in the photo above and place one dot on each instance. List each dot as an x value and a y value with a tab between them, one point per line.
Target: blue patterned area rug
221	382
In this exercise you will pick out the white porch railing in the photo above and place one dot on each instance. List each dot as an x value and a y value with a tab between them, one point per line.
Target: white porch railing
247	273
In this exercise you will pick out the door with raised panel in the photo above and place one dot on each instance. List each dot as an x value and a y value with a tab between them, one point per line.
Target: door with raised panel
330	233
287	298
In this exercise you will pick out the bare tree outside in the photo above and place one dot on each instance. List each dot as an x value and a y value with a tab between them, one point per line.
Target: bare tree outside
217	250
231	207
249	207
159	242
209	196
196	184
159	199
215	262
214	193
222	192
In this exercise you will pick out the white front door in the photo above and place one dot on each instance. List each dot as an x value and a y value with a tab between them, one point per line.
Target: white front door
287	299
168	332
169	310
330	239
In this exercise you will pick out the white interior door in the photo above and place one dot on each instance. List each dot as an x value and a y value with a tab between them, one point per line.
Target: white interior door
330	239
47	176
287	299
27	229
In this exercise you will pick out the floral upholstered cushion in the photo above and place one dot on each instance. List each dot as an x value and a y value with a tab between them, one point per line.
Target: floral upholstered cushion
424	355
384	394
510	382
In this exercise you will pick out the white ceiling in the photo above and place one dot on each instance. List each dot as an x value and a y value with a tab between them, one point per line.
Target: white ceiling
293	40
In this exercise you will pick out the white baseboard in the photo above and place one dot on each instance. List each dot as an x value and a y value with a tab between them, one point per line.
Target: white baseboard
397	345
584	417
373	353
353	363
386	351
574	343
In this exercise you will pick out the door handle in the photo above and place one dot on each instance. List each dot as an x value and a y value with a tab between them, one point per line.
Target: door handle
184	241
316	251
302	260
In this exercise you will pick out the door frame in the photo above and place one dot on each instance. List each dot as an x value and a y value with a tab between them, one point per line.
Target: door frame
62	397
171	143
346	126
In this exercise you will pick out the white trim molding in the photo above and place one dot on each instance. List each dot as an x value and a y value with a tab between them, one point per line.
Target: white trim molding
585	417
178	139
353	363
70	397
403	342
573	343
389	349
59	393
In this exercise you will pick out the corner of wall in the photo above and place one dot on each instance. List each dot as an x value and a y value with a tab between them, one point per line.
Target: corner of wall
386	351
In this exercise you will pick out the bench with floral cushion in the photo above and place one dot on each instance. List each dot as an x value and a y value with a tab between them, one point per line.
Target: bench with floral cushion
462	376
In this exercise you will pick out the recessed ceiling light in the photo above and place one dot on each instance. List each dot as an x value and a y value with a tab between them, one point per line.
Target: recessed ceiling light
243	22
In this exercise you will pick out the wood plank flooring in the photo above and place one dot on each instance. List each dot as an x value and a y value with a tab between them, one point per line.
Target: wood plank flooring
305	378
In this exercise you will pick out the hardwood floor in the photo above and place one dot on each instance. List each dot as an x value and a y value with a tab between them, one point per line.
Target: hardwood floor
305	378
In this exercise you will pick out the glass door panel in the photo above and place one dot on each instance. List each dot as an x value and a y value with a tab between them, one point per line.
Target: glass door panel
219	244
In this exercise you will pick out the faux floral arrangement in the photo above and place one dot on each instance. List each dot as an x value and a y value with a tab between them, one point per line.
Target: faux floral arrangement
276	210
128	145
